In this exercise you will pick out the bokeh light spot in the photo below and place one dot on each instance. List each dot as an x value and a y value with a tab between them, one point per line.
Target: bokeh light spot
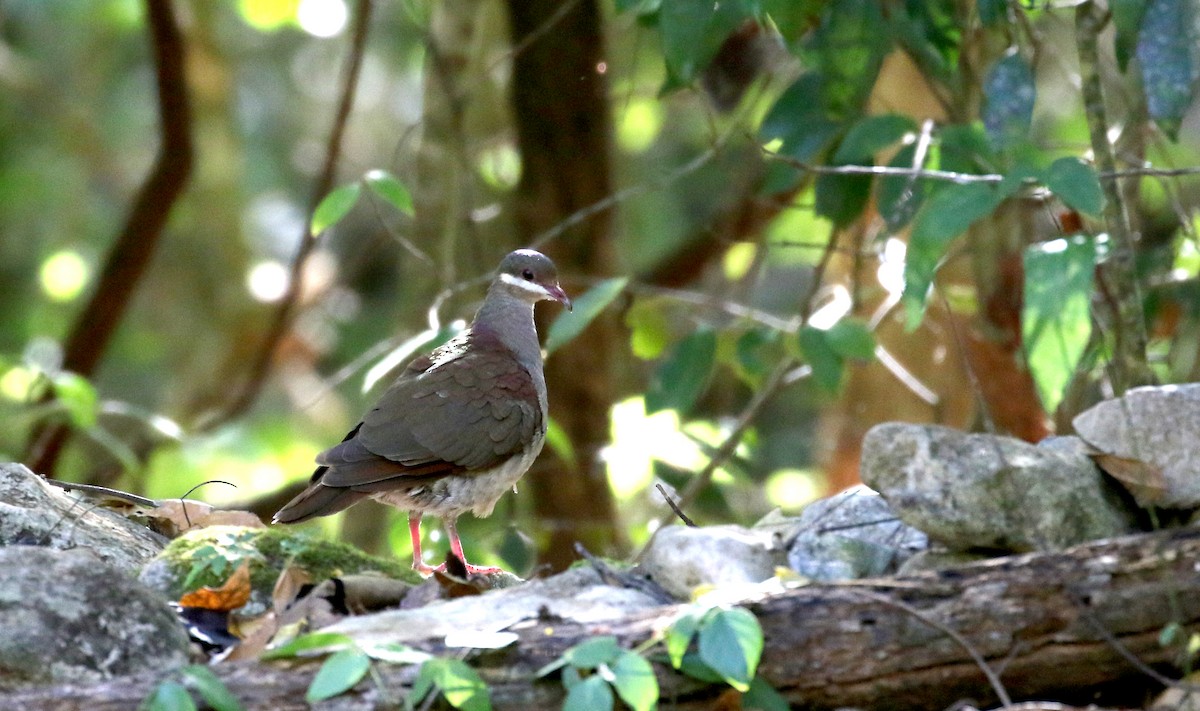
792	489
639	125
322	18
64	275
267	281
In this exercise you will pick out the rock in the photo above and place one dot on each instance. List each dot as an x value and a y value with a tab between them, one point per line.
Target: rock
977	491
853	534
577	595
216	551
67	616
682	558
33	512
1155	426
938	559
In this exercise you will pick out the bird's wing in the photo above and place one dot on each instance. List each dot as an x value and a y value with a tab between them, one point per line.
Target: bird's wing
468	410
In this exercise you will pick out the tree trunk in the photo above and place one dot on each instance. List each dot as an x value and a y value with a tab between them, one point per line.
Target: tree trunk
560	100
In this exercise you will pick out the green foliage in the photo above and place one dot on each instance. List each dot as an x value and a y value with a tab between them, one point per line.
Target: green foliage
1056	320
569	324
1008	109
340	672
458	684
683	375
1170	64
1077	184
872	134
692	31
730	644
389	187
79	398
1127	19
169	696
594	668
175	692
334	206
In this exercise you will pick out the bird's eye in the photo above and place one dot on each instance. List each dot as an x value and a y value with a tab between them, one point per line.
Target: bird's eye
527	275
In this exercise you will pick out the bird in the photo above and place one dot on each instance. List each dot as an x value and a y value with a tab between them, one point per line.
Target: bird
458	426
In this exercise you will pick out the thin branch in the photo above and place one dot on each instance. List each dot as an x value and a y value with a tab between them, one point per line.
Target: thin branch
135	246
674	506
247	391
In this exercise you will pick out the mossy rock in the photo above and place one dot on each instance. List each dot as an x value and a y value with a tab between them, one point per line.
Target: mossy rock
206	557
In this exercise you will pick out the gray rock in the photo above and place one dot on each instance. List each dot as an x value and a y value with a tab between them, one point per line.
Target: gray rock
33	512
1158	426
682	558
970	491
853	534
66	616
577	594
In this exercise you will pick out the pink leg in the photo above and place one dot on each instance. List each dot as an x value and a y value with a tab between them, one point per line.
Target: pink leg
414	532
456	548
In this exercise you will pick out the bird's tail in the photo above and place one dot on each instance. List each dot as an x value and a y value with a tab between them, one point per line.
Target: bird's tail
317	500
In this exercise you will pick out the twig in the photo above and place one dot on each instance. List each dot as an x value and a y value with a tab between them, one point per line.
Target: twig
674	506
246	392
993	679
104	491
136	244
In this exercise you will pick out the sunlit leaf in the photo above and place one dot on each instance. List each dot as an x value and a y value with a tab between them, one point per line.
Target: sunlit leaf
591	653
211	688
1165	53
170	696
334	206
731	643
560	443
78	397
683	375
1076	183
396	653
827	366
591	694
1009	94
460	686
635	681
339	673
1056	319
680	634
649	329
389	187
871	135
569	324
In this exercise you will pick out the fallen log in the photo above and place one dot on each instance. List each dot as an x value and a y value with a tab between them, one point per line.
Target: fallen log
1078	626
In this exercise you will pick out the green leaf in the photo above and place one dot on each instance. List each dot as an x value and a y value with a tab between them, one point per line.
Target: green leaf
841	198
849	45
799	120
1009	94
312	643
683	375
761	697
591	653
1127	19
1056	317
340	672
462	688
570	324
170	696
1076	183
78	397
591	694
946	215
1169	66
517	550
850	338
692	32
871	135
649	330
211	688
334	206
695	667
560	443
899	197
731	643
389	187
679	635
635	681
826	364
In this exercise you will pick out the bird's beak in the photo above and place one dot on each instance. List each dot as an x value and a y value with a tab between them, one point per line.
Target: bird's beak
556	292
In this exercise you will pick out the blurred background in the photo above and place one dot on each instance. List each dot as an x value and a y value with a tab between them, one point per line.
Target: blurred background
170	320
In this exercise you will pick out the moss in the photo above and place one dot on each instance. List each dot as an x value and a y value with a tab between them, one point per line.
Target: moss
206	557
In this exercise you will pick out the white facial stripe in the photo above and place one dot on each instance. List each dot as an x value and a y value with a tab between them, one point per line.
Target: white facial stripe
529	286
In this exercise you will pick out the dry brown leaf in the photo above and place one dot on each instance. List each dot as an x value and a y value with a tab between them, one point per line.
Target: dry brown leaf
1144	481
230	596
288	586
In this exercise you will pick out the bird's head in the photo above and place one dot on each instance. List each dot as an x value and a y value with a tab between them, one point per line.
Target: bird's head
531	276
